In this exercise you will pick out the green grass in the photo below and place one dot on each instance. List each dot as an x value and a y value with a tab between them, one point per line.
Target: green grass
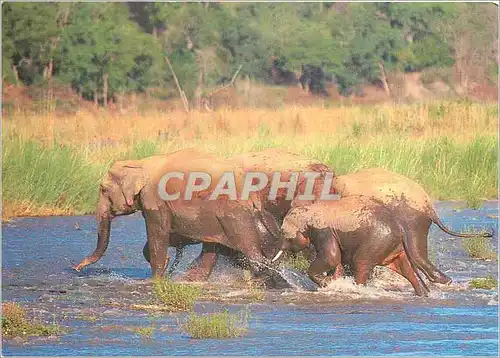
176	296
146	332
59	177
16	323
65	179
446	168
486	283
216	325
479	248
297	261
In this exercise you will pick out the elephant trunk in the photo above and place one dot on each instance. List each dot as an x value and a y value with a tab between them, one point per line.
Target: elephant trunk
104	218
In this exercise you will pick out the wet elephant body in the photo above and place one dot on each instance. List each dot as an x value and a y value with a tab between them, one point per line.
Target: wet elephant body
408	202
267	161
356	231
130	186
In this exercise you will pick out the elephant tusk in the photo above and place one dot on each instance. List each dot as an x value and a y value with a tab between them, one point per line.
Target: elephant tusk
280	252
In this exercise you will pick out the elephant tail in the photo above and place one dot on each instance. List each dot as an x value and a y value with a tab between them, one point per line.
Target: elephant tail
411	257
435	219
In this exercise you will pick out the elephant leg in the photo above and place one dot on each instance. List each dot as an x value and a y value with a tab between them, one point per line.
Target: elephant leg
402	266
417	233
201	268
158	225
362	271
328	256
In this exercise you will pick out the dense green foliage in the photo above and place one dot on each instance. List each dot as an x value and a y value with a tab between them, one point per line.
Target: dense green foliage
102	50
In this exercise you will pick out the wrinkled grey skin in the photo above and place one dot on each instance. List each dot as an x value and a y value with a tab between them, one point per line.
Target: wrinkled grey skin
131	186
355	231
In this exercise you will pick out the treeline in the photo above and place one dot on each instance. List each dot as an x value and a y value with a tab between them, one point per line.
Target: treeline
105	49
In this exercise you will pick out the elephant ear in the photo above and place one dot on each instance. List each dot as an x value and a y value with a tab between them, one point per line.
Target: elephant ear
133	180
131	177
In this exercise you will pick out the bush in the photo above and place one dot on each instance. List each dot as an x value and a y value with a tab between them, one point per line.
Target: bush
297	261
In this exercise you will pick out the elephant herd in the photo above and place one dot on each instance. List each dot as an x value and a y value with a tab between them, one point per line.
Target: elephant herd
380	217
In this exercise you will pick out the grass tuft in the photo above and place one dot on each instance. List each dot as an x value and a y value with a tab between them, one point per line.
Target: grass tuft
176	296
486	283
479	248
146	332
216	325
297	261
16	323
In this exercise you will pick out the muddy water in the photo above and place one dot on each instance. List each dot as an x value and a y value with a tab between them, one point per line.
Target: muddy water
97	306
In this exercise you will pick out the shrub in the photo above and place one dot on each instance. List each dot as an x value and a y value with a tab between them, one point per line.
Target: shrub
297	261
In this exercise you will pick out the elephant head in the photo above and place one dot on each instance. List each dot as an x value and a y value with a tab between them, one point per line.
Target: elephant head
118	195
295	231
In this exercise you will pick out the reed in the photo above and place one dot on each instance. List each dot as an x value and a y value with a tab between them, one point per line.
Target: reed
451	148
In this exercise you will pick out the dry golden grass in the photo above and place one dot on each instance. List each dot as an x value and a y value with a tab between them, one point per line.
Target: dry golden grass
104	129
52	165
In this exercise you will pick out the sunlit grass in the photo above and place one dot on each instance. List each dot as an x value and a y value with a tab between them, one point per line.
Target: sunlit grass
452	152
479	248
17	323
176	296
216	325
486	283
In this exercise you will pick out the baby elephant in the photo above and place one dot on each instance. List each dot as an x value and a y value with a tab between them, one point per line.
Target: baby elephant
355	231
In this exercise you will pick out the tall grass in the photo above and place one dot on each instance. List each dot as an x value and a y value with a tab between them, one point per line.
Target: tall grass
53	180
450	148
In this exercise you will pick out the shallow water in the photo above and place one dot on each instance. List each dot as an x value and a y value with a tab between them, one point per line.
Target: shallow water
382	318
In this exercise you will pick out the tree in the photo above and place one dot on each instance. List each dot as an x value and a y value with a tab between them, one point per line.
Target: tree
31	33
105	53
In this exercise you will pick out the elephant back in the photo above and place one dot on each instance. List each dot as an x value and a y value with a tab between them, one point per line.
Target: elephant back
275	159
381	184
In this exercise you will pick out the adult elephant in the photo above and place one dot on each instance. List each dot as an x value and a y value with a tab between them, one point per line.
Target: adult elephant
408	202
130	186
266	161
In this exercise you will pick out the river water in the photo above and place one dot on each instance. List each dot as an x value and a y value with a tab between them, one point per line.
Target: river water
382	318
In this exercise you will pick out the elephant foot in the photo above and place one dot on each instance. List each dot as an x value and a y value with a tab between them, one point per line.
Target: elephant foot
439	277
